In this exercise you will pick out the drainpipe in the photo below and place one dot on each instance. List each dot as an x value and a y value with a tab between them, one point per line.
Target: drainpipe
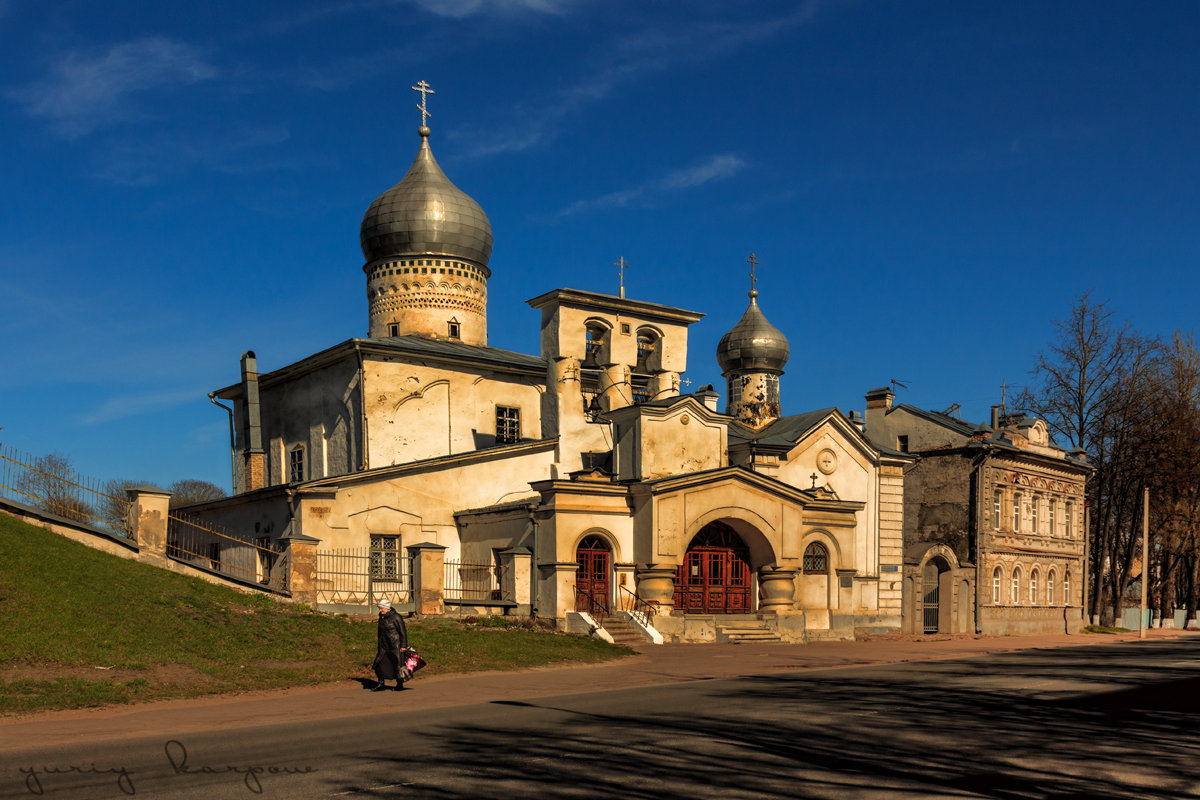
537	572
232	447
364	462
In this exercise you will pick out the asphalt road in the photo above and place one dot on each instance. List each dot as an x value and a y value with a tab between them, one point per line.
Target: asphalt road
1101	721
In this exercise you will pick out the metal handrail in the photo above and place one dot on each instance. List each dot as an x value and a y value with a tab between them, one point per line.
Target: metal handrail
598	609
631	603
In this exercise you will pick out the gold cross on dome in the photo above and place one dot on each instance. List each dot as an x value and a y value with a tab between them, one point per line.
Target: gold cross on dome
424	89
753	262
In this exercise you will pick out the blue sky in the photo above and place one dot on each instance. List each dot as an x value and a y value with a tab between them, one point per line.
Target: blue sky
927	186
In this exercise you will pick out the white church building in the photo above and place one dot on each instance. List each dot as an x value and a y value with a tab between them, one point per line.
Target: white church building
585	457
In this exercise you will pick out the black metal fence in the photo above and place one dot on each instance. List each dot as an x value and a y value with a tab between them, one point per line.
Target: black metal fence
48	483
467	583
362	576
232	555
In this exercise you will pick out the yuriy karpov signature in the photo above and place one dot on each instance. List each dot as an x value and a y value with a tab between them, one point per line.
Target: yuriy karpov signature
34	784
177	755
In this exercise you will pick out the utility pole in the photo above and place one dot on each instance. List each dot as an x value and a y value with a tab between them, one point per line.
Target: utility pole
1145	559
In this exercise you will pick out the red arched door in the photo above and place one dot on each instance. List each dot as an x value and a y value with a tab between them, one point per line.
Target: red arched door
714	577
592	578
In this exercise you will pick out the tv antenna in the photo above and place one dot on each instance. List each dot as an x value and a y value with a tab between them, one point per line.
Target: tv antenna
897	384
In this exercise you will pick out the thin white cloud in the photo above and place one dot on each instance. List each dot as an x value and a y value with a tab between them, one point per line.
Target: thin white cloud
149	159
133	405
715	168
625	61
84	91
459	9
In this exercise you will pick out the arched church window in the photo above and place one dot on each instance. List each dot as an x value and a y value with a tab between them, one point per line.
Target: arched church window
647	342
594	338
296	464
816	559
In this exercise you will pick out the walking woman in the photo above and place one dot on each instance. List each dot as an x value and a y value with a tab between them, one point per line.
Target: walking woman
393	639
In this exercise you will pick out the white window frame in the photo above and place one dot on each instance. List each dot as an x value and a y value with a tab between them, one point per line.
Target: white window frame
388	566
1050	600
1015	586
1017	499
1035	501
1033	586
999	508
997	585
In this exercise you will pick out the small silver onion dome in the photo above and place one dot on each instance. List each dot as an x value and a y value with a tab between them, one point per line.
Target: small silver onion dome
426	214
754	345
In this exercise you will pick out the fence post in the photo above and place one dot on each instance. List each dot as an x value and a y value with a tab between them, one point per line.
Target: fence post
148	522
428	577
302	567
518	578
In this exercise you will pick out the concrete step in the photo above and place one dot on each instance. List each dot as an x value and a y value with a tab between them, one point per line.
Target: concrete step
746	632
623	632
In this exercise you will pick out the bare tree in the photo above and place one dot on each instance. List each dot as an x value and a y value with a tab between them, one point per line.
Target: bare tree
52	483
191	490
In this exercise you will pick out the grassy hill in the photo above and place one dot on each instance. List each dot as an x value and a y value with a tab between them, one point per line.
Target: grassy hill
81	628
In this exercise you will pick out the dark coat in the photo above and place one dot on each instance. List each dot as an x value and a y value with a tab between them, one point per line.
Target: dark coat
393	638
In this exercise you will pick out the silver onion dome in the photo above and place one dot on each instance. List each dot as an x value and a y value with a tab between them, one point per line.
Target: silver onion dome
753	345
426	214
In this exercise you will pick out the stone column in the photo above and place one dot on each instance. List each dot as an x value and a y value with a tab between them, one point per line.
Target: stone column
429	577
776	589
656	585
518	586
148	522
302	567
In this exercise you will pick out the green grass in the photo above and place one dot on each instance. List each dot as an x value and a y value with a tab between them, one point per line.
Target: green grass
82	628
1103	629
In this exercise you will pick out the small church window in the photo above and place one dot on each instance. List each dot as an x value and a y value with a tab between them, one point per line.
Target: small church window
454	329
508	425
296	464
385	556
393	329
816	559
902	444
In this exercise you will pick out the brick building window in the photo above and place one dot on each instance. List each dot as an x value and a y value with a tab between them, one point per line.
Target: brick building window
997	584
508	425
1068	531
1016	586
1051	515
1067	588
1033	587
1050	588
1033	513
997	499
1017	512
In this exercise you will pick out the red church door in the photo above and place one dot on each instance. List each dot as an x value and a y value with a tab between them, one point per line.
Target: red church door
592	578
714	577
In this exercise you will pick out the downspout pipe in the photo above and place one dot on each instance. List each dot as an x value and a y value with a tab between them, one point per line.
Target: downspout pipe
212	398
536	571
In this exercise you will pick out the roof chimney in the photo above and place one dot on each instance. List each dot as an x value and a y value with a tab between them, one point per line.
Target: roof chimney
995	417
252	452
880	398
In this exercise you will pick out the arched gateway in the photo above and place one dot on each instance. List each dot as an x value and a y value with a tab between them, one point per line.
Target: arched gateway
715	576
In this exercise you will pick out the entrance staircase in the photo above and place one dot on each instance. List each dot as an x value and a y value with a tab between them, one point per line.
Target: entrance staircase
745	631
624	632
